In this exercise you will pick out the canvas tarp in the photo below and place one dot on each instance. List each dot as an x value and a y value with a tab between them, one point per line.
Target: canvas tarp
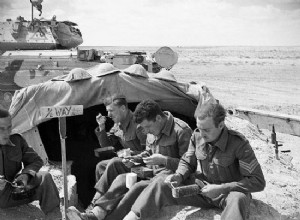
178	97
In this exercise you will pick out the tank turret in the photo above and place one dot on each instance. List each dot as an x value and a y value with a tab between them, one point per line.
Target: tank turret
38	34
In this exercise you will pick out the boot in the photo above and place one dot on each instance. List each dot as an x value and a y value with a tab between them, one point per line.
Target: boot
97	213
55	214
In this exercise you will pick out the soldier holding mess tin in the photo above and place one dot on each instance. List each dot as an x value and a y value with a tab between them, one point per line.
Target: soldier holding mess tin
167	140
125	133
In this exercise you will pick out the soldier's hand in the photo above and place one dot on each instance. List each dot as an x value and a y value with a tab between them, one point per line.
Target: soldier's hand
212	190
132	161
21	180
101	121
175	179
128	163
155	159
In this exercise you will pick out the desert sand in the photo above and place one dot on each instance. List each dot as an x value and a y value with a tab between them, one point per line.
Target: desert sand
260	78
263	79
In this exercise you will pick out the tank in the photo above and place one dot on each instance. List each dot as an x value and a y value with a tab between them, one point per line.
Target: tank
32	52
38	34
24	45
21	34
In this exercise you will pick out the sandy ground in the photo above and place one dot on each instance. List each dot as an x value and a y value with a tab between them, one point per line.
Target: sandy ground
266	84
257	83
280	200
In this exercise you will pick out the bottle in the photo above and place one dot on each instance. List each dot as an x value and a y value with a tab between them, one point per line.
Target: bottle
2	182
273	135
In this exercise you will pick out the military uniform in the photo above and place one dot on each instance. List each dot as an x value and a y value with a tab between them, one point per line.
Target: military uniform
172	142
12	155
128	135
230	162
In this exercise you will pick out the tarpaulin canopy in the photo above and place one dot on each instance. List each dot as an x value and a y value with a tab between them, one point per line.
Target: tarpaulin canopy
178	97
181	98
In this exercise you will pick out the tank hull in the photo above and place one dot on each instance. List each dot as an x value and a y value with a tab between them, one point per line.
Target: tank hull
19	69
22	68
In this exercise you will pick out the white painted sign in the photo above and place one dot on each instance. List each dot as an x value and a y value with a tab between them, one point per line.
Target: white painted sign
61	111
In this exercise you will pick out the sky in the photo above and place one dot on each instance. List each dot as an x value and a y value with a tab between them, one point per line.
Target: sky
172	22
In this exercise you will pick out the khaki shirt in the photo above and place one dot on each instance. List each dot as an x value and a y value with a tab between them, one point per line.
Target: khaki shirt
129	135
173	142
232	163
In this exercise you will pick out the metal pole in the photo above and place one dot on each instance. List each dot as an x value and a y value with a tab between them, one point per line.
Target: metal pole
62	132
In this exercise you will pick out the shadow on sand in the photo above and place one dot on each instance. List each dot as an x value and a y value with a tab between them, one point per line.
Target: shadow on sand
258	210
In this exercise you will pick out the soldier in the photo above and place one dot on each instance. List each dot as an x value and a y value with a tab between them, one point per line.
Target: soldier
125	134
227	164
170	140
36	185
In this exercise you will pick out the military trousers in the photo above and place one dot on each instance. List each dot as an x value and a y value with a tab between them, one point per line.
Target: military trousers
100	169
118	200
45	191
112	168
158	194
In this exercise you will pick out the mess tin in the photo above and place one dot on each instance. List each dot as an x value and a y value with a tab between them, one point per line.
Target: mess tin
19	192
142	172
104	150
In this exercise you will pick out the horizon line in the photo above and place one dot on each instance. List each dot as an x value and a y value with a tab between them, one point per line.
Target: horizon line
189	45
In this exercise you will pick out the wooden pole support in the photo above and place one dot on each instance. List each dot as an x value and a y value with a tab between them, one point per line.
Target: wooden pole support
61	112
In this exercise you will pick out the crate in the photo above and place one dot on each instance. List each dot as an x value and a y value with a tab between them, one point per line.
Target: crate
123	60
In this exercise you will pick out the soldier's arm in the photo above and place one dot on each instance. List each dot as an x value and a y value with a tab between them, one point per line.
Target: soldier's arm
183	143
188	162
142	138
31	160
253	178
103	139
